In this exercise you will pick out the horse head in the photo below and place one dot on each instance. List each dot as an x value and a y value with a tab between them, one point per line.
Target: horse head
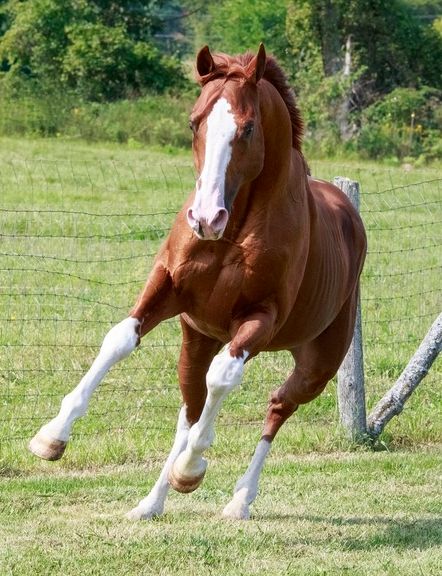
228	143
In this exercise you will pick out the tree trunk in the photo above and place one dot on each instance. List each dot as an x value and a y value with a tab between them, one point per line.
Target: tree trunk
331	45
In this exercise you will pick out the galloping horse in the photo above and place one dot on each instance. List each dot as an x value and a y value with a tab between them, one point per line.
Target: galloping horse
261	257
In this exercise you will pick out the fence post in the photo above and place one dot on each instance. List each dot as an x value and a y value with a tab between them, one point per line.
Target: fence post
393	402
351	392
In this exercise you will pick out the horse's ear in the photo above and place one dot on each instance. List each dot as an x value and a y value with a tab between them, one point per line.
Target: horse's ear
255	70
204	64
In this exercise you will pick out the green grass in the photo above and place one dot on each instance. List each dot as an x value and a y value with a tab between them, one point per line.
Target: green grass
357	514
79	227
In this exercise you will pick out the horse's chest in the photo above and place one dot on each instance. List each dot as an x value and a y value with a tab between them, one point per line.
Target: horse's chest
207	282
212	293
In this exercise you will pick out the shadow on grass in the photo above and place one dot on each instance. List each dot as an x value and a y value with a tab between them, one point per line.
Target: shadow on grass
419	533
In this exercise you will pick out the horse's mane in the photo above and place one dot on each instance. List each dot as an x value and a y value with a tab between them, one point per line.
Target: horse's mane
235	67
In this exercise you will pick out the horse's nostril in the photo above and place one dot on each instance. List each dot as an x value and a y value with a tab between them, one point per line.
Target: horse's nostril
217	218
219	221
192	218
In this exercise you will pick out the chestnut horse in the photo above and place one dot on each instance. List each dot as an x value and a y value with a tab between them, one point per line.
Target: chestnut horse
261	257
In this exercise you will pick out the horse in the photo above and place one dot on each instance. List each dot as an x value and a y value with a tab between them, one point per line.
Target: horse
261	257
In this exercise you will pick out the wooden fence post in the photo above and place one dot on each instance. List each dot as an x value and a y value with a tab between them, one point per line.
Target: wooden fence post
351	392
393	402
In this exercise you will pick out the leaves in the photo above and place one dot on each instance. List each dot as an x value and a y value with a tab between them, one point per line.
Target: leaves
101	50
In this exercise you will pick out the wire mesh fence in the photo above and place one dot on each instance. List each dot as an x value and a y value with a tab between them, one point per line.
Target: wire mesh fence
77	240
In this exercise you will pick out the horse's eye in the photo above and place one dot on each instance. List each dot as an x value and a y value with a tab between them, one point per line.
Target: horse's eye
248	129
192	125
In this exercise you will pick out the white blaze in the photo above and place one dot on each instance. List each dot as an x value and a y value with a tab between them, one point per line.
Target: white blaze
221	129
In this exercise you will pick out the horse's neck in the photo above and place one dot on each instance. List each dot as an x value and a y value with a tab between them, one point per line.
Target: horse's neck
284	175
271	197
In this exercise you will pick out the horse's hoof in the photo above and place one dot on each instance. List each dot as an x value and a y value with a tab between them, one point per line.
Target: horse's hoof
47	448
236	510
138	513
182	483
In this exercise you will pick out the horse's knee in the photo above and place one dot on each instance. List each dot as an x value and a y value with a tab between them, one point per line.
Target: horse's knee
121	340
225	372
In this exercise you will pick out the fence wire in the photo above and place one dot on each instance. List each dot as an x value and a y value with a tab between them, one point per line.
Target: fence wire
77	240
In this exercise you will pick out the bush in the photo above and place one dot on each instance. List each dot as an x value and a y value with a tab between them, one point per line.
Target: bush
150	120
70	45
103	64
406	122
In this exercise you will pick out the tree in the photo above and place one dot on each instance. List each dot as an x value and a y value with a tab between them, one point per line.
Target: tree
237	26
386	44
101	50
391	47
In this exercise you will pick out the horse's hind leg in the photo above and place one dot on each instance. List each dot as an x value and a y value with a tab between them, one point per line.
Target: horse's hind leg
155	304
316	363
280	408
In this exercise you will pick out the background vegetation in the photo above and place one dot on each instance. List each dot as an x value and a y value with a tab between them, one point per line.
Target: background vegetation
367	73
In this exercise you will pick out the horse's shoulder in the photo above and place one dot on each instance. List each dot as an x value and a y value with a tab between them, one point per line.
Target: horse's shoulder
335	210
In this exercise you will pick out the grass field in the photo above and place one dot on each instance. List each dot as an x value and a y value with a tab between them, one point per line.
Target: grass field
79	226
355	514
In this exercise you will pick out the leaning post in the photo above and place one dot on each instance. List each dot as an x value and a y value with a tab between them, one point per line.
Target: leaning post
351	392
393	402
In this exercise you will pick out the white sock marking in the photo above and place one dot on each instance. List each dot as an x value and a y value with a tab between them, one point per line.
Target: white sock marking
118	343
246	488
224	374
153	504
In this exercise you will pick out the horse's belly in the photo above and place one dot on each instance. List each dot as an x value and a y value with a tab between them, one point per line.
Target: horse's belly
298	330
216	332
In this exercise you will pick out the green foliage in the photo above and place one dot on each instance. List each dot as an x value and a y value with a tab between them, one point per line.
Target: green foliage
304	42
237	26
99	61
152	119
389	42
103	63
57	56
406	122
437	26
320	108
390	47
425	8
396	47
91	48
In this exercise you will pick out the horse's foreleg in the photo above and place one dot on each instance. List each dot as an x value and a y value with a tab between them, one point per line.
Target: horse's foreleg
224	374
197	351
50	442
156	303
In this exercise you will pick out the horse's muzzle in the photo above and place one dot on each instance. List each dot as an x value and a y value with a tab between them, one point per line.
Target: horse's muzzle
210	227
